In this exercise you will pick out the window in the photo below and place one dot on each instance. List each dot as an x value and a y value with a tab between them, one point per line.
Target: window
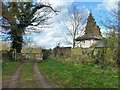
83	41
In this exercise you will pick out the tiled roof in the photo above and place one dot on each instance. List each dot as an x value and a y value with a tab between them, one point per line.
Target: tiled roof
88	36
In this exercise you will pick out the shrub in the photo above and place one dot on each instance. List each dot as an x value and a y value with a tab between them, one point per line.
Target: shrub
5	55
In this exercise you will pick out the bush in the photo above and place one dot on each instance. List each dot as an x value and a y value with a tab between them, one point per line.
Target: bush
103	57
5	55
46	54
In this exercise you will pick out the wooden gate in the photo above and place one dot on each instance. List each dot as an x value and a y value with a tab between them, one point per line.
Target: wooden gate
37	57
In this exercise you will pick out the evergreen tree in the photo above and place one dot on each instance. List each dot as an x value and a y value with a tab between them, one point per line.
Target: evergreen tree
99	31
90	24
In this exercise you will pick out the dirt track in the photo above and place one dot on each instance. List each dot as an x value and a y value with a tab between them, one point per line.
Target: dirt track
14	80
40	80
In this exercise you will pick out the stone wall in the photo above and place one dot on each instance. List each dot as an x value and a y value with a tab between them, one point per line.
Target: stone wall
62	51
56	52
68	51
83	51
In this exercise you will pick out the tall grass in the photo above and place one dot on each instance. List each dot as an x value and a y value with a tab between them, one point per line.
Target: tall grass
78	76
8	68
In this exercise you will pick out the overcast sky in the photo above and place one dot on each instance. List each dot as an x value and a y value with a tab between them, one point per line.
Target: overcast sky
50	37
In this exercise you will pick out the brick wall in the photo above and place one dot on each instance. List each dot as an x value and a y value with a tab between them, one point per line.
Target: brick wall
67	51
62	51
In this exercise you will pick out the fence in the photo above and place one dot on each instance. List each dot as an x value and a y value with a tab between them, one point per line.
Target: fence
13	56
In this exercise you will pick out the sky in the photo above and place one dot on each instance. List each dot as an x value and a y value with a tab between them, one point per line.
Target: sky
50	37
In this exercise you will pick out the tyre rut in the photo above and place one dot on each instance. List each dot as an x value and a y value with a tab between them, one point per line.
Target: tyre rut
14	80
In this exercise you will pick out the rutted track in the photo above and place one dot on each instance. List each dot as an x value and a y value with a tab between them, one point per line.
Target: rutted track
14	80
41	81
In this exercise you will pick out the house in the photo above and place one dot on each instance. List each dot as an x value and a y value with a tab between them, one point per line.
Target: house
92	36
88	40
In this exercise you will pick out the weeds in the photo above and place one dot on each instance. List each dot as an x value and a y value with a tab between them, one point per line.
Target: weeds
7	68
78	76
27	75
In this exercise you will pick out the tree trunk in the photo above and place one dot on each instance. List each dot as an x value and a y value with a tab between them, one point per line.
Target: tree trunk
74	37
73	43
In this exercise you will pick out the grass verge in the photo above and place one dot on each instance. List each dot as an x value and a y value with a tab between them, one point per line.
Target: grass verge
27	75
8	68
79	76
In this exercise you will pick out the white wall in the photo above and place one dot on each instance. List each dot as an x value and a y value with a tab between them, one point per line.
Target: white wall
86	43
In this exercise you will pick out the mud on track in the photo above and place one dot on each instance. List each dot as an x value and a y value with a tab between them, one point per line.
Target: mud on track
14	80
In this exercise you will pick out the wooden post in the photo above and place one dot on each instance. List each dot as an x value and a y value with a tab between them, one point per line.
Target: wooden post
34	57
29	56
15	54
40	56
12	54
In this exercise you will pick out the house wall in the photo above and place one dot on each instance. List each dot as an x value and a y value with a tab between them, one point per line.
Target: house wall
86	43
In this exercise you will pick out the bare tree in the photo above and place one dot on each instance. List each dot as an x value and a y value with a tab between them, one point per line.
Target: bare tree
17	16
76	21
111	19
5	45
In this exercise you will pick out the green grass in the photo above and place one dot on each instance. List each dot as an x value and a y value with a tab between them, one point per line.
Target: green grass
79	76
8	68
27	75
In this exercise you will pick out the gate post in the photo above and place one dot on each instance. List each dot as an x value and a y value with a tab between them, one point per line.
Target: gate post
34	57
15	54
